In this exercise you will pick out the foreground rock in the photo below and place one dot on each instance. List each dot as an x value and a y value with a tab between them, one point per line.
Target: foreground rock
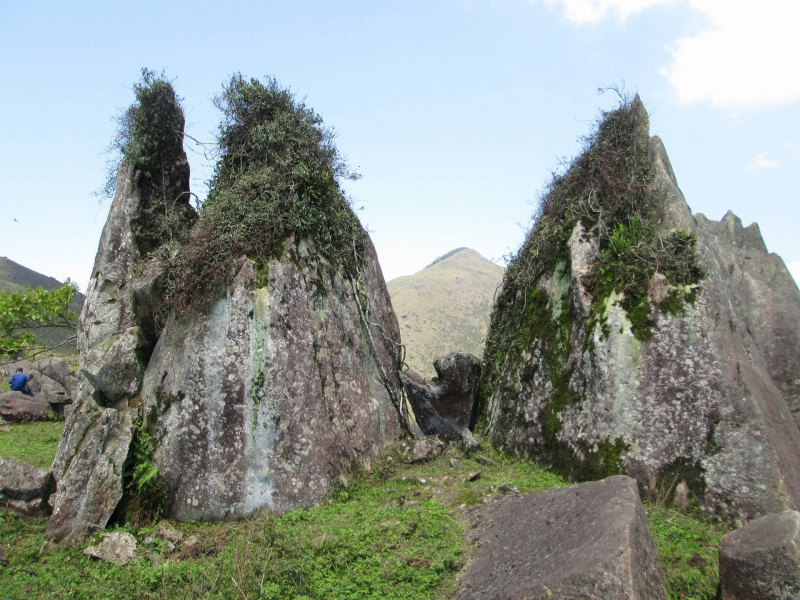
117	548
701	407
449	407
24	488
584	541
761	561
16	407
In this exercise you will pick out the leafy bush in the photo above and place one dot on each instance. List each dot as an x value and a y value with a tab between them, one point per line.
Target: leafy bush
21	312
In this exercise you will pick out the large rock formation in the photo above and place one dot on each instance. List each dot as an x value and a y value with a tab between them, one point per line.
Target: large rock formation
701	403
263	397
584	541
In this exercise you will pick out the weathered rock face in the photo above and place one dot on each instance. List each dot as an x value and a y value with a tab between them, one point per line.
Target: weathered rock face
88	468
703	404
761	561
584	541
276	391
451	406
24	488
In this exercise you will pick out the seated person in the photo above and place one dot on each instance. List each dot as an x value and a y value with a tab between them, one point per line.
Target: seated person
19	382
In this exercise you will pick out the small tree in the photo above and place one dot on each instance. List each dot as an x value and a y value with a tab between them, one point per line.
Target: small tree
22	312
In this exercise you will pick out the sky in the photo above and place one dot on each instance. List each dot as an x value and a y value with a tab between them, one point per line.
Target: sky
455	112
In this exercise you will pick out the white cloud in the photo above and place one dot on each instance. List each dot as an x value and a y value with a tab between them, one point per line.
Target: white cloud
763	161
747	57
590	11
794	269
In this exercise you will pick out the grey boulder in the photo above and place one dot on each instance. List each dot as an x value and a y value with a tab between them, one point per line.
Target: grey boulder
56	368
449	407
24	488
587	541
17	407
761	561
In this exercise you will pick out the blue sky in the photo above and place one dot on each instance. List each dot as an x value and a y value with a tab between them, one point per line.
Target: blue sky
453	111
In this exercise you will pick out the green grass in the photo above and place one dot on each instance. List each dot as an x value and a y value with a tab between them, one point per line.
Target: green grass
393	532
34	443
689	551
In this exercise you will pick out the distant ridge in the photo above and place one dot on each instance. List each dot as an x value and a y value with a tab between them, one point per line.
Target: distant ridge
445	307
448	255
14	277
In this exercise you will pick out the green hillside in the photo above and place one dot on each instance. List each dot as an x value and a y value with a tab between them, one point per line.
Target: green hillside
14	277
445	307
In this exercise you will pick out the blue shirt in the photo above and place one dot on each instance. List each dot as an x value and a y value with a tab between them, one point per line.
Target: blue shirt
18	382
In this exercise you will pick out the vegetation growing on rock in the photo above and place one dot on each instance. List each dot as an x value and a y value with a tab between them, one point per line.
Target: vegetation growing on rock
278	176
149	140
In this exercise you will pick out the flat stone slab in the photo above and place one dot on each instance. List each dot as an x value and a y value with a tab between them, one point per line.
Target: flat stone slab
586	541
17	407
761	561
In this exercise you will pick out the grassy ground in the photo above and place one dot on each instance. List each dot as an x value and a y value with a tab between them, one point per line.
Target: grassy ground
34	443
394	532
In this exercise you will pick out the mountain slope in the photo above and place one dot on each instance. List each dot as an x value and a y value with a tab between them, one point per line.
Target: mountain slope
445	307
14	277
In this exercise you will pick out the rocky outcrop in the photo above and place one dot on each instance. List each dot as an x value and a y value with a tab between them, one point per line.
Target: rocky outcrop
584	541
451	406
24	488
701	405
275	392
761	561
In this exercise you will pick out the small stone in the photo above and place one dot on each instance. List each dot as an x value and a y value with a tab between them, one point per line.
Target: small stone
191	542
455	463
469	441
485	461
474	476
167	532
421	450
118	548
681	498
507	488
412	503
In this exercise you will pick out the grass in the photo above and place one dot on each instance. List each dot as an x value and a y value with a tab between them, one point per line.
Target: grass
392	533
34	443
689	551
